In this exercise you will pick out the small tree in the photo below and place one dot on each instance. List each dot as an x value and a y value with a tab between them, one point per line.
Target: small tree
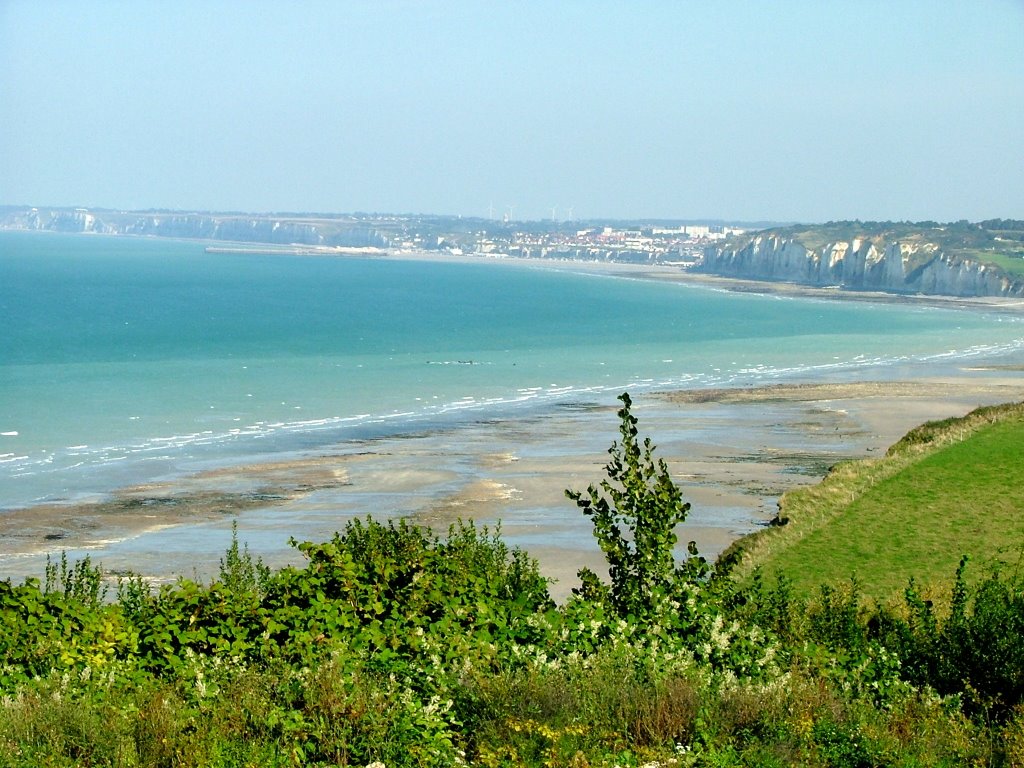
635	512
240	571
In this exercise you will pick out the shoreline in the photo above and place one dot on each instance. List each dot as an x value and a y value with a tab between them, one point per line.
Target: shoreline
601	268
674	274
733	452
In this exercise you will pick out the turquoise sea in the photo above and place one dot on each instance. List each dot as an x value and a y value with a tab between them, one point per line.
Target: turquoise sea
127	360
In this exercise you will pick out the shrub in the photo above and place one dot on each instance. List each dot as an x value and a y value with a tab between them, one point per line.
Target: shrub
639	496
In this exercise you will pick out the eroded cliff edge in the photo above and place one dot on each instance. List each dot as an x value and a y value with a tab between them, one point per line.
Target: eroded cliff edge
965	260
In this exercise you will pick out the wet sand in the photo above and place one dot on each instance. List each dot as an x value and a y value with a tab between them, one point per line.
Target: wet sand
732	451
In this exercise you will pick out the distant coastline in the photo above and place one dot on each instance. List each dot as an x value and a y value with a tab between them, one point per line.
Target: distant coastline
967	263
739	285
719	254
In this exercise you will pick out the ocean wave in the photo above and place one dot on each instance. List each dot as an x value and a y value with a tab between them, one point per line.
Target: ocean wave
258	437
460	362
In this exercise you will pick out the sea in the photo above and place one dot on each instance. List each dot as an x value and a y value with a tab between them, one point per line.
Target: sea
129	360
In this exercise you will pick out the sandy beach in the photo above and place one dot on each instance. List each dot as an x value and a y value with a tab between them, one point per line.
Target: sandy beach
675	274
733	451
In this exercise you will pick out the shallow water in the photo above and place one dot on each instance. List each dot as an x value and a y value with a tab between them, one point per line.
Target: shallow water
731	460
131	360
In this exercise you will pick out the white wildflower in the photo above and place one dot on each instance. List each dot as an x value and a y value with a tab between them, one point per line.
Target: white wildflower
200	685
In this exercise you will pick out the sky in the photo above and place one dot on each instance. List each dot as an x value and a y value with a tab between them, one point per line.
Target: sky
742	110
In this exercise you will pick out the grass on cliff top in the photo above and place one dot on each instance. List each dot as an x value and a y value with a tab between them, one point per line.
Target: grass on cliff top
1011	262
947	489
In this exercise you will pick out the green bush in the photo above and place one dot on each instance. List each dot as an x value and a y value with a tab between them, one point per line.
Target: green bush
394	645
635	511
977	652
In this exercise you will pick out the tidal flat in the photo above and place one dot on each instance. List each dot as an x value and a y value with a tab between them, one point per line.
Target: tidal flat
733	451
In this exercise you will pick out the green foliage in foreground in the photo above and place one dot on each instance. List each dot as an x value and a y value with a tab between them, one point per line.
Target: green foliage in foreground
398	647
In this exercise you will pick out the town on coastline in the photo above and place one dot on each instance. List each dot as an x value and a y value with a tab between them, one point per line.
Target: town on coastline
645	242
961	259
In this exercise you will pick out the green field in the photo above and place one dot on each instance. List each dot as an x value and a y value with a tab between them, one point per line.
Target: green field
1011	262
948	489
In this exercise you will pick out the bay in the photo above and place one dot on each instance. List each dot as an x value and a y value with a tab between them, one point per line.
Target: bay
125	360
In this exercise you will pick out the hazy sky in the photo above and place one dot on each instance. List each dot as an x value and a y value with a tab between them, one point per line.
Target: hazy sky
783	110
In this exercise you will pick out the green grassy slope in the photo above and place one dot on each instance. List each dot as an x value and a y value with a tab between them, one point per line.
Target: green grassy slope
947	489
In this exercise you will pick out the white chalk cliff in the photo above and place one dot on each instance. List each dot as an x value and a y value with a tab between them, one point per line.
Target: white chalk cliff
234	228
859	264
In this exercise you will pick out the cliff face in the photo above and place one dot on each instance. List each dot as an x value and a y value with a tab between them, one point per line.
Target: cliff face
244	229
858	264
